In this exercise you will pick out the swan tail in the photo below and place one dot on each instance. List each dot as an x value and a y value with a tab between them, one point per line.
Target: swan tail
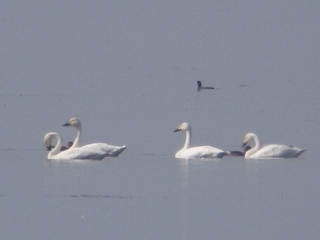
300	152
119	150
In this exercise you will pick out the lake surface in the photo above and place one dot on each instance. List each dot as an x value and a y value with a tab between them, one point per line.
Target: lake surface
128	71
156	196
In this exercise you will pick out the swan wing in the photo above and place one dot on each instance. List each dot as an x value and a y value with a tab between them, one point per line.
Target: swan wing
94	151
200	152
79	153
106	149
278	151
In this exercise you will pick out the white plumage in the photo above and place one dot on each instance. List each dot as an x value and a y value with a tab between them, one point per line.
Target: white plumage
94	151
188	152
269	151
75	122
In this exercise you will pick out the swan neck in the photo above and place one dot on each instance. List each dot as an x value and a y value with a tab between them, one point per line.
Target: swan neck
257	142
188	139
56	149
256	147
76	142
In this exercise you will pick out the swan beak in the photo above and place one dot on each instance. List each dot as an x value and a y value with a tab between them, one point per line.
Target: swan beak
65	125
177	130
244	145
49	147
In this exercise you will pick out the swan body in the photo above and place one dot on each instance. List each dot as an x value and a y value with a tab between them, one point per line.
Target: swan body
188	152
200	86
269	151
113	150
95	151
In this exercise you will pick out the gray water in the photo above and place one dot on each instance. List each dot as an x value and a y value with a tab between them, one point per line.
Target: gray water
128	70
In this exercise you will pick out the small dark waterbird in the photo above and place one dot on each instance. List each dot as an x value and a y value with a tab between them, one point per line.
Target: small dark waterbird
200	86
238	153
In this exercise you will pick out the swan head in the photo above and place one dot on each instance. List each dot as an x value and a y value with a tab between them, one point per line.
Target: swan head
247	139
48	138
183	127
47	141
75	122
199	84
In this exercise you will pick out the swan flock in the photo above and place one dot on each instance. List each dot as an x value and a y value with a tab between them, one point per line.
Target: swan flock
98	151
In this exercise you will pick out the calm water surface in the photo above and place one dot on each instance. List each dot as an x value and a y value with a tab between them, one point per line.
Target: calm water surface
129	72
159	197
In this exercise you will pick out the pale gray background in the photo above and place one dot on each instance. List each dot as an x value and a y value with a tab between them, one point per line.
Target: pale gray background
128	70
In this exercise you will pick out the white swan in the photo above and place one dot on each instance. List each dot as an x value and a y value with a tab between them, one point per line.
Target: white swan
269	151
200	86
188	152
75	122
95	151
